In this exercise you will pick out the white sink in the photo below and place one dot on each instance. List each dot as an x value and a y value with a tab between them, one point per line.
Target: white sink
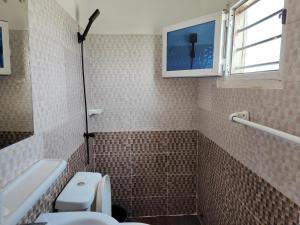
76	218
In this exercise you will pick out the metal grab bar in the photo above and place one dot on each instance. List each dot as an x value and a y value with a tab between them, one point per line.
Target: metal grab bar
243	118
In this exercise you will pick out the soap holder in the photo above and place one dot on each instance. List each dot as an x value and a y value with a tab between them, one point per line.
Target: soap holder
94	112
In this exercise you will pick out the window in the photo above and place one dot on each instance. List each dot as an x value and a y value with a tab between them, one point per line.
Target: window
244	44
254	36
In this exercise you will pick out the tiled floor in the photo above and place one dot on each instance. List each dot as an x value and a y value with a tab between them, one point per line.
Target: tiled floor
167	220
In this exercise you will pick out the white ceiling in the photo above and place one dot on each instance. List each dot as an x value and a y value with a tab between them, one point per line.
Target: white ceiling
138	16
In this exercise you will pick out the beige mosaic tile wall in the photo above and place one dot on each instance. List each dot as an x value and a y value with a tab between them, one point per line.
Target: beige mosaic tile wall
124	78
274	159
15	89
57	91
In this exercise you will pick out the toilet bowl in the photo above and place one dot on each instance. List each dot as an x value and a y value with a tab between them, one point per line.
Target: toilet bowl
87	192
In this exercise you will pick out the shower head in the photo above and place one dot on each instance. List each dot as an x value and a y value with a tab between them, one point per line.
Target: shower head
94	15
81	37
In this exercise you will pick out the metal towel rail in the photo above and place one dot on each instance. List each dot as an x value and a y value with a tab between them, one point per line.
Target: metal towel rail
243	118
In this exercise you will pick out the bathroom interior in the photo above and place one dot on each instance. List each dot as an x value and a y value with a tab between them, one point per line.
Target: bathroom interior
150	112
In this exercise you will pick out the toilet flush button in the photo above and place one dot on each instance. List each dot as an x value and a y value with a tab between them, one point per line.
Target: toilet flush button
80	184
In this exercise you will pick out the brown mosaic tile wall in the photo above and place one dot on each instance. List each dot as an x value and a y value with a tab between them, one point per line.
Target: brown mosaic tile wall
10	137
229	193
153	173
162	173
77	162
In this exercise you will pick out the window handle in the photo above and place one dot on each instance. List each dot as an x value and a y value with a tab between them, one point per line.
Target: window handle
283	16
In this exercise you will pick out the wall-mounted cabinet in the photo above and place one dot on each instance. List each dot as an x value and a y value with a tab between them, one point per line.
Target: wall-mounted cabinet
195	48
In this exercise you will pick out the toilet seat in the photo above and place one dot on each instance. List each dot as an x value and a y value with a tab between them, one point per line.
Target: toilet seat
103	199
103	196
80	193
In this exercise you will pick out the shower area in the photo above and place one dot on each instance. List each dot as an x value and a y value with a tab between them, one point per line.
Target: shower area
163	141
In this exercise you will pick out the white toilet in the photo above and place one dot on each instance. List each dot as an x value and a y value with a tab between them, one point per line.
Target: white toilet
87	192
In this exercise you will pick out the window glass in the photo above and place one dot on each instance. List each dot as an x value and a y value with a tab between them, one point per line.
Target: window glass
191	48
257	36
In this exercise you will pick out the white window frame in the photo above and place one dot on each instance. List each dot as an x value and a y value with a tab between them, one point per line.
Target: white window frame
265	75
219	46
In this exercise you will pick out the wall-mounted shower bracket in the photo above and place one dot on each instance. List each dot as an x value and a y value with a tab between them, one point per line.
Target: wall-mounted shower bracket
89	135
94	112
245	115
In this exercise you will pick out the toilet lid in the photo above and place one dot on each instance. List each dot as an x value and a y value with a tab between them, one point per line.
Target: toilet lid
103	198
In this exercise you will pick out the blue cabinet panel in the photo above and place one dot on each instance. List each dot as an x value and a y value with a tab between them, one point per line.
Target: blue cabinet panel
191	48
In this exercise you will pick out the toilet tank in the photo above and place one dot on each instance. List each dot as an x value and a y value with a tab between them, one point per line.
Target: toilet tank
79	193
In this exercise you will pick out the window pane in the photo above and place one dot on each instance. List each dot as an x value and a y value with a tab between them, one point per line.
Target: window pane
267	52
264	52
179	48
261	9
269	28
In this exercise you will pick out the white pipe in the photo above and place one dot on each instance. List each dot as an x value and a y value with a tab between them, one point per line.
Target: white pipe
292	138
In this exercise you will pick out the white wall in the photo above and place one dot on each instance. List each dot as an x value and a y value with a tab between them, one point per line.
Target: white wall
138	16
15	13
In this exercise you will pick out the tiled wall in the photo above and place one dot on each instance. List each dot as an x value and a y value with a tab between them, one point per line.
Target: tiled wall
140	139
15	89
153	173
57	91
274	159
181	172
229	193
10	137
77	162
124	78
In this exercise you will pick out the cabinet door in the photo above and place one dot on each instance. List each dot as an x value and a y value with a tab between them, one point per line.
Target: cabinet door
195	48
